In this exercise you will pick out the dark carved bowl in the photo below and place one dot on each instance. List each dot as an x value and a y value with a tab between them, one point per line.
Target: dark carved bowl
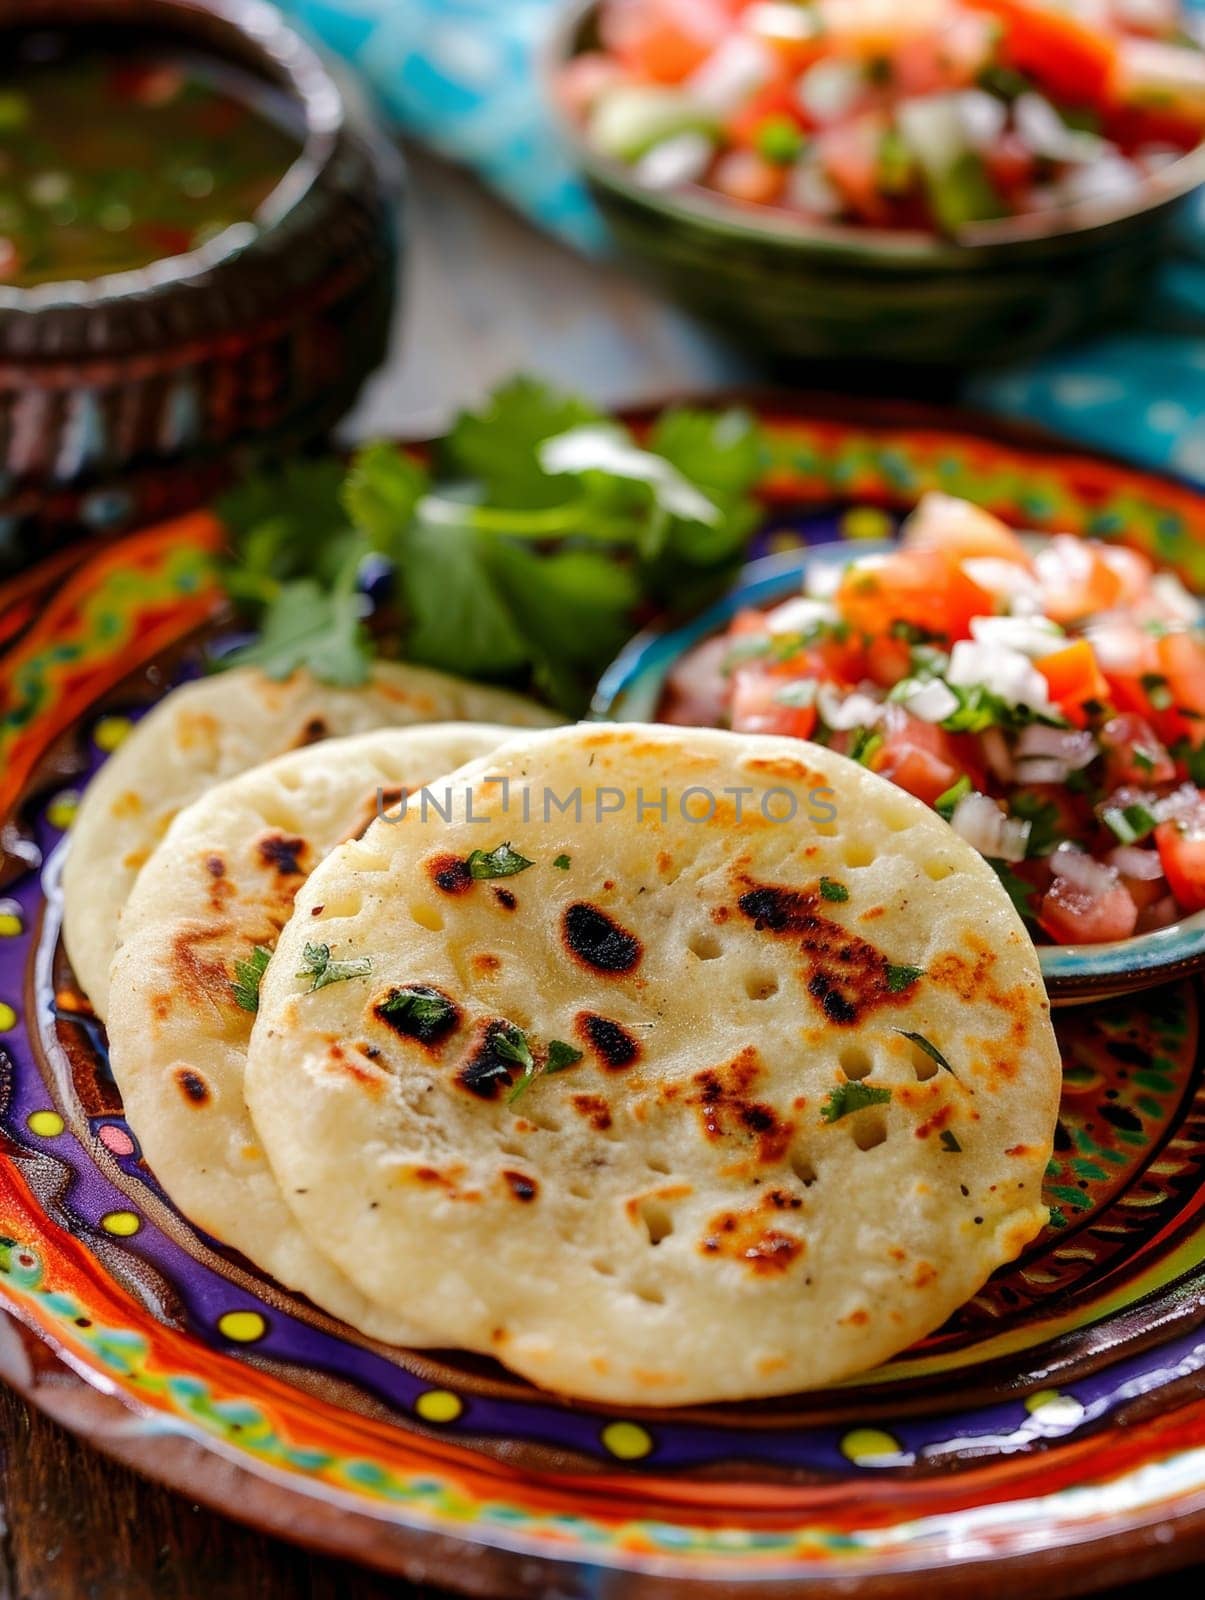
132	396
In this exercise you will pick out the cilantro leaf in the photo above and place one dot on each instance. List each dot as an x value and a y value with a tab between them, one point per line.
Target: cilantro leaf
853	1096
318	964
723	452
1045	823
247	977
501	862
901	978
558	1057
284	524
947	803
307	626
561	1055
381	493
930	1049
830	889
562	863
456	619
1019	892
497	445
425	1012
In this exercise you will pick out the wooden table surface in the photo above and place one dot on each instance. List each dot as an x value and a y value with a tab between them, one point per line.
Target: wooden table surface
485	297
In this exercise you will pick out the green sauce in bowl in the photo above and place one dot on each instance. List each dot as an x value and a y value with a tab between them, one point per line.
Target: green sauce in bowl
111	161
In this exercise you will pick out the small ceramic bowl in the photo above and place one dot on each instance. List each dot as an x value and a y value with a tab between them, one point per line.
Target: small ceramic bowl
632	690
999	292
127	397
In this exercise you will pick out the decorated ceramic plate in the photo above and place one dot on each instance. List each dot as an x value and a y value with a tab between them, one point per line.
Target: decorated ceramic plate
1053	1431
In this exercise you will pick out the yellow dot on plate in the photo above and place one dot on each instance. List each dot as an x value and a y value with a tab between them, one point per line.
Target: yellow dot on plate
110	731
869	1447
866	522
60	813
8	1017
10	919
627	1440
122	1223
244	1327
1055	1410
439	1405
46	1124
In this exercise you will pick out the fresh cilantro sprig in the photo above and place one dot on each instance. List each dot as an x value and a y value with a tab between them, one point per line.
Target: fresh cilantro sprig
850	1097
929	1048
513	1046
247	978
318	964
501	862
526	554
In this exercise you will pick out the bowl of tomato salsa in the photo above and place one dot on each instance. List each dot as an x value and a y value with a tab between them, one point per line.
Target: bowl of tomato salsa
198	243
936	183
1044	694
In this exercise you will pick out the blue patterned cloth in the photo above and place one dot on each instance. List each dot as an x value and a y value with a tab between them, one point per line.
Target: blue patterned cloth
462	75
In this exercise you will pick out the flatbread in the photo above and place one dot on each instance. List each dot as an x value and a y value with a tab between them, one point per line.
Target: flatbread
221	884
683	1215
210	730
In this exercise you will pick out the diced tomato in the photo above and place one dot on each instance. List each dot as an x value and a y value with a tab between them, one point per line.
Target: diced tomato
744	175
1074	61
665	40
585	79
1076	579
1011	165
1075	916
914	586
1074	680
755	708
1182	852
888	661
1182	663
950	56
1133	752
916	755
1131	568
849	153
960	530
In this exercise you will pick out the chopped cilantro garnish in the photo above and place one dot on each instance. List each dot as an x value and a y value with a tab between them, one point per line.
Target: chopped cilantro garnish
946	804
853	1096
513	1046
424	1009
1058	1218
501	862
1045	822
1019	892
830	889
949	1142
1129	823
318	964
247	976
867	743
1142	760
901	978
1157	690
1192	758
562	863
930	1049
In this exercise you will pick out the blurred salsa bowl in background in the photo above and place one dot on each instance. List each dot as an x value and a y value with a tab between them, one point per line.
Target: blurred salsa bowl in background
197	255
947	182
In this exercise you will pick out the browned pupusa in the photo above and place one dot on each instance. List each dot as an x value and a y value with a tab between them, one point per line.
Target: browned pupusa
716	1106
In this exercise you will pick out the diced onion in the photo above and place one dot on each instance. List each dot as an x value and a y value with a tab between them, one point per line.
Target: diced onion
996	753
1007	579
732	75
983	118
1046	134
799	614
1175	602
1109	177
980	821
1042	769
1183	803
1118	645
684	158
1082	870
845	711
830	89
823	579
630	119
931	701
776	19
1074	747
1030	636
1007	673
932	128
1133	862
811	189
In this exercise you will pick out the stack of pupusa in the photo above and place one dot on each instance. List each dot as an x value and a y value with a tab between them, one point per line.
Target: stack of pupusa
594	1064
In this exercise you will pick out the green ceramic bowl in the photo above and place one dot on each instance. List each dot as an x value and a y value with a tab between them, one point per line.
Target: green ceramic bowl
806	291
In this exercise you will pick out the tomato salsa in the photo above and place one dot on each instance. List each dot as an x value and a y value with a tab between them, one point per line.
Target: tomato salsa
109	161
920	114
1047	697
